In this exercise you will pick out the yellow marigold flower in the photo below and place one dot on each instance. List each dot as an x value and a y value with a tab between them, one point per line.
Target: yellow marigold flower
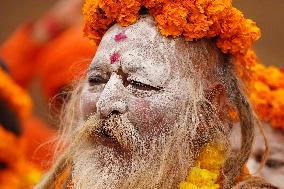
187	185
206	172
201	177
212	157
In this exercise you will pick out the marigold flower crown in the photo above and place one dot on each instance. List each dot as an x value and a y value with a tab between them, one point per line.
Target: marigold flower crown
193	19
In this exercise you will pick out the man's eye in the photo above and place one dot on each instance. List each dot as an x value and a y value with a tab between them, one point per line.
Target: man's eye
96	80
274	164
141	86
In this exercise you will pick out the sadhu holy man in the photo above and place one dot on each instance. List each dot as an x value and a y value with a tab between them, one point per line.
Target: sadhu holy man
155	108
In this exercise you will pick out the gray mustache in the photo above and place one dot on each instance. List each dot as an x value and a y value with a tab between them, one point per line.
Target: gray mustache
115	127
110	126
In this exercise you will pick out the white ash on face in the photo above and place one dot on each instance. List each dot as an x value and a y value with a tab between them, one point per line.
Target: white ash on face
144	110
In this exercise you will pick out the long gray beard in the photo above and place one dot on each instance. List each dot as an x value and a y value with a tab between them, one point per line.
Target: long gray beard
98	168
161	164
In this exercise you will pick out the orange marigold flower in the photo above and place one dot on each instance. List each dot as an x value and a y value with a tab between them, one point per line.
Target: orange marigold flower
152	3
210	7
198	27
267	94
129	12
96	22
110	7
172	20
216	7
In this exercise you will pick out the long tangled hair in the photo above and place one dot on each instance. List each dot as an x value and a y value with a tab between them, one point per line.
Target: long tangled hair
221	71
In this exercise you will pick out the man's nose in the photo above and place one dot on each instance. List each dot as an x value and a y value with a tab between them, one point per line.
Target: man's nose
112	98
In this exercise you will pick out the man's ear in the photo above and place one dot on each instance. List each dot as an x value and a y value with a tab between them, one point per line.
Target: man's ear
216	94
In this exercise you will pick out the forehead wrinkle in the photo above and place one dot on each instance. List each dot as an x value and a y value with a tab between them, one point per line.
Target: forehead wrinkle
150	69
156	57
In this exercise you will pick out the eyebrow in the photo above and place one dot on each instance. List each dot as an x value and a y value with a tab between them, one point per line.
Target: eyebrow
92	68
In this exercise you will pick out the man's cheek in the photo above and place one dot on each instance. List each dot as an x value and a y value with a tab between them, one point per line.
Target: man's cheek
88	104
141	111
150	116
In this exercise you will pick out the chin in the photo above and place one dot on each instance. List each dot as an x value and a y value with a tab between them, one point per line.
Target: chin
98	168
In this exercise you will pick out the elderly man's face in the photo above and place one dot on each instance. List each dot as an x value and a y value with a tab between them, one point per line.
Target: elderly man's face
129	77
139	108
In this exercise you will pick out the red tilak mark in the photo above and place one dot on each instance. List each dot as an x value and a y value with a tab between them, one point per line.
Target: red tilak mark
120	37
114	57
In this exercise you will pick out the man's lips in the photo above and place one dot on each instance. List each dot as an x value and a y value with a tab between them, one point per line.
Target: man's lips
106	132
106	128
105	137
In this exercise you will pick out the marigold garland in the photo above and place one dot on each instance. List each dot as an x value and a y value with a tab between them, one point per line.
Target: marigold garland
15	96
207	171
267	94
194	19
